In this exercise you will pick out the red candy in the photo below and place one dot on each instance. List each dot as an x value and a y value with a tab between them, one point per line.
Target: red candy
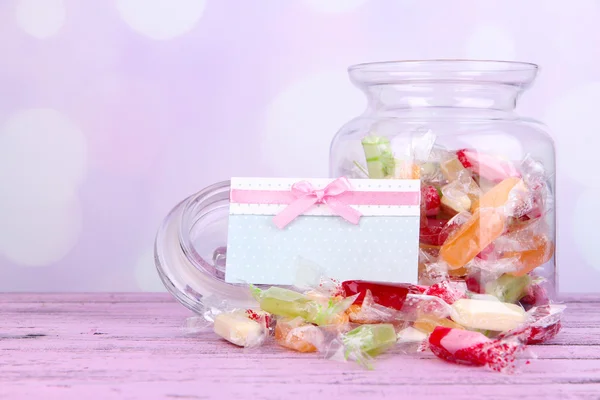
430	197
541	334
463	158
391	295
472	348
536	296
432	232
447	291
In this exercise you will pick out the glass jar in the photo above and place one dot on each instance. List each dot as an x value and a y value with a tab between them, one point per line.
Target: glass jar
487	174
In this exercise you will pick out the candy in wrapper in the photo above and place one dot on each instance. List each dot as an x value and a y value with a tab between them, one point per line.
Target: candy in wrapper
242	327
411	340
486	224
487	166
536	295
237	328
427	323
363	343
508	288
380	157
391	295
473	348
369	312
298	335
543	324
449	291
488	315
288	303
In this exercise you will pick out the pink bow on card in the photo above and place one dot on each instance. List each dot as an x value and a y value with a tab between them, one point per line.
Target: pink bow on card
307	196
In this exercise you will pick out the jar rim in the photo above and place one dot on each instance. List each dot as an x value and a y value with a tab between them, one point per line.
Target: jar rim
518	73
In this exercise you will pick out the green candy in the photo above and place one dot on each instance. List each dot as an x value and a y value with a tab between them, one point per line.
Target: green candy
371	339
508	288
380	158
288	303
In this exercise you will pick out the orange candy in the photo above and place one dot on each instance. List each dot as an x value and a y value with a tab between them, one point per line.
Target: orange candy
427	323
297	335
485	225
528	260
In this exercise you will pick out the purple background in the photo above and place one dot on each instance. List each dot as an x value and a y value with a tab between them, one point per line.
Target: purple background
112	111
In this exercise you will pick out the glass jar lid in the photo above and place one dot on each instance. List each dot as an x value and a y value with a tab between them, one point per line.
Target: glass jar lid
191	249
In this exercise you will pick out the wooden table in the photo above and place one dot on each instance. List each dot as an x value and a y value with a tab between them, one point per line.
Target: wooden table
129	346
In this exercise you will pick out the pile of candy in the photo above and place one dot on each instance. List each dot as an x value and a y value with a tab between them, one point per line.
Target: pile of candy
484	232
357	320
483	218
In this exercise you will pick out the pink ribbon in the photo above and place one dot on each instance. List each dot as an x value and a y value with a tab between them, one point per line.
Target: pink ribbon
306	196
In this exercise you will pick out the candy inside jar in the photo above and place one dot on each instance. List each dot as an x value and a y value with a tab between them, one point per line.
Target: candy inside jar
487	175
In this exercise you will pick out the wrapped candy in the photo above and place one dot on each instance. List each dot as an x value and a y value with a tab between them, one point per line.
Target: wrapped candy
430	199
449	291
380	158
536	295
508	288
488	315
391	295
543	324
237	328
487	166
485	225
473	348
427	323
288	303
298	335
363	343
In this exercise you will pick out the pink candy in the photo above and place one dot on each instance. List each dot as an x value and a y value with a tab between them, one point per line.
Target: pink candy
473	348
487	166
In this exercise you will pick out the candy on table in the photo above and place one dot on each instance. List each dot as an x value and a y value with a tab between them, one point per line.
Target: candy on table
536	296
427	323
390	295
261	317
368	340
543	323
485	225
380	158
237	328
487	166
417	305
370	313
297	334
430	198
546	323
473	348
410	335
488	315
288	303
508	288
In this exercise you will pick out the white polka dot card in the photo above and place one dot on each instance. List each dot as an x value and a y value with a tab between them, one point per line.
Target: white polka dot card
365	229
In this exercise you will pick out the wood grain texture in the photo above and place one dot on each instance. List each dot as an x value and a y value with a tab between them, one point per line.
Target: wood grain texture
128	346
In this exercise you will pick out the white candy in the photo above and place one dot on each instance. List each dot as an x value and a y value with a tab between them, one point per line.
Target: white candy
488	315
411	335
238	329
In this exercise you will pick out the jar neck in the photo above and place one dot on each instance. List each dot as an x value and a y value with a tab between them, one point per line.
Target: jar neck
422	95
